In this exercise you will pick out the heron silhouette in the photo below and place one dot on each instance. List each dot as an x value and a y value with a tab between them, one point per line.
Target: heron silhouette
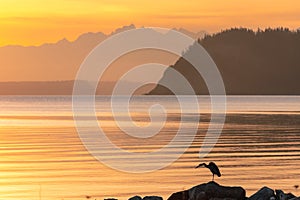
212	167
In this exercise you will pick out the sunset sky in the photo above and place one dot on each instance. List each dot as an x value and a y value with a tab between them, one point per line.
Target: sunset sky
33	22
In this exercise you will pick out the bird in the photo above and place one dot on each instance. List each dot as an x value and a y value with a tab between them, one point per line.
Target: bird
212	167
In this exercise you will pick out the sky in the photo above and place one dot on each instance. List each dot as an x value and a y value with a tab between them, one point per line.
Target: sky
34	22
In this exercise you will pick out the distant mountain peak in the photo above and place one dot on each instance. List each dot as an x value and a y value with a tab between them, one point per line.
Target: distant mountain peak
62	41
124	28
194	35
90	34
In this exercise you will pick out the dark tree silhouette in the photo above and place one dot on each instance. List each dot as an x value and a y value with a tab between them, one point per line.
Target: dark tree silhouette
263	62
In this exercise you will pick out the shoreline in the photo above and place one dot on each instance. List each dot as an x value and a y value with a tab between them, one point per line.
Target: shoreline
215	191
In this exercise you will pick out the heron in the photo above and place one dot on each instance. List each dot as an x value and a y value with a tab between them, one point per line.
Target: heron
212	167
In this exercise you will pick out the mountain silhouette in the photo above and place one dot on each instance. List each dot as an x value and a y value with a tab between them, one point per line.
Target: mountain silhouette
51	68
265	62
262	62
55	61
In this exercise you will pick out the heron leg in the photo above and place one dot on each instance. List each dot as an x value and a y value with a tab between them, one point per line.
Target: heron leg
213	177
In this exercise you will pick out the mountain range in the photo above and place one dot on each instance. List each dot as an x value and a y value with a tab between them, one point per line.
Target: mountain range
262	62
40	69
58	61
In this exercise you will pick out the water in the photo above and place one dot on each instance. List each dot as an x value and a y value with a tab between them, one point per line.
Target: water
42	157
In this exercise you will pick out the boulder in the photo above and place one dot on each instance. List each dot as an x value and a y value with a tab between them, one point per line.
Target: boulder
280	195
209	191
135	198
264	193
290	196
152	198
183	195
197	192
295	198
214	190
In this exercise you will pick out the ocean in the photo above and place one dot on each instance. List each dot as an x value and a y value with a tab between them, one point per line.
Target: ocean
43	157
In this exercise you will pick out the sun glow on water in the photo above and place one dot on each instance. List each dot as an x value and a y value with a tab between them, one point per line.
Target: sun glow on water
42	153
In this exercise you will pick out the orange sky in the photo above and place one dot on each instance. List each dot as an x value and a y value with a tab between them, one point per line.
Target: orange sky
33	22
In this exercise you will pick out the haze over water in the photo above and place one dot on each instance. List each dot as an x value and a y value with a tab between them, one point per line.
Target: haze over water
42	156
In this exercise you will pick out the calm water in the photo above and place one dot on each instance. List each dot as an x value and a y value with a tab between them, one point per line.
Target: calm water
42	157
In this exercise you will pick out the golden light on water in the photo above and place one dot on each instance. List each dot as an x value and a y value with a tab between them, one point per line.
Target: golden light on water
43	154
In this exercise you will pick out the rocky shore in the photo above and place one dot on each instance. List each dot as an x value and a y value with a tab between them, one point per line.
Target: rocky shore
214	191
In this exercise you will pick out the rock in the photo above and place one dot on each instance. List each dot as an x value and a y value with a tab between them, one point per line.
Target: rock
135	198
183	195
295	198
290	196
264	193
210	191
221	199
280	195
214	190
197	192
152	198
201	196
